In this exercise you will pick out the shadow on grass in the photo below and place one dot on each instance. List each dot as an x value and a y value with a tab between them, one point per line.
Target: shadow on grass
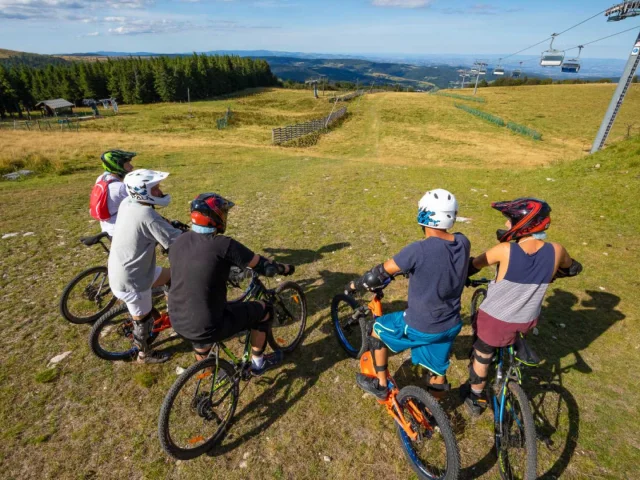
304	256
301	372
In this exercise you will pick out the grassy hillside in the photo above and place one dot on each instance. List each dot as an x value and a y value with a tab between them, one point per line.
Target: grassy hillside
334	210
10	58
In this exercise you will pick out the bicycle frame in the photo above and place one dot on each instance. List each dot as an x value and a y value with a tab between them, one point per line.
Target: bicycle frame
367	367
502	380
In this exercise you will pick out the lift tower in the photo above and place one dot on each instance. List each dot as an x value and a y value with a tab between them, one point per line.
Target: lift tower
619	12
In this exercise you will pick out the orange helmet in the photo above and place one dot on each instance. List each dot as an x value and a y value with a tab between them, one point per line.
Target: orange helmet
210	210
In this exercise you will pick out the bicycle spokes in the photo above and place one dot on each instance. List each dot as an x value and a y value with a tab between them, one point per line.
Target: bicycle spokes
201	407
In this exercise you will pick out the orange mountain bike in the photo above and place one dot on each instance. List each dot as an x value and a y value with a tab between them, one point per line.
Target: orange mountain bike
422	426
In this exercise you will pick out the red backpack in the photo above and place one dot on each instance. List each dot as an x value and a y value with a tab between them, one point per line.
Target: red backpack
98	200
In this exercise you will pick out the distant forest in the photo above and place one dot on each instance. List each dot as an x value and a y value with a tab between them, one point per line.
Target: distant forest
131	80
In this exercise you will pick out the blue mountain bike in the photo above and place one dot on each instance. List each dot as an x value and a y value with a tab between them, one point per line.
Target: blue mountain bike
514	428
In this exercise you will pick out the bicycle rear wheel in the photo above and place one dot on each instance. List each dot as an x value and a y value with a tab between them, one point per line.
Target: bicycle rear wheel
111	337
516	436
87	297
434	454
198	408
290	308
350	332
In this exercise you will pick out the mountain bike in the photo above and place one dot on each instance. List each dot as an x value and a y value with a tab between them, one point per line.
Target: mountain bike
201	403
514	428
422	426
87	297
111	337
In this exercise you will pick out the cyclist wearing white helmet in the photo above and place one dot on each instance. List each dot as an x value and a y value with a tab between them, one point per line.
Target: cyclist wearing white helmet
109	190
132	261
437	269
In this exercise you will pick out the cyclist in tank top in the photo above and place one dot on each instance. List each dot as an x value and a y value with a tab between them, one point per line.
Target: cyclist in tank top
526	265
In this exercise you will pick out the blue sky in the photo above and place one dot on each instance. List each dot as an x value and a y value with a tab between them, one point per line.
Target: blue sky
374	27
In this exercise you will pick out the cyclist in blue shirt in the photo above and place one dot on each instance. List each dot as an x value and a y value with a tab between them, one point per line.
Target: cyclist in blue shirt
437	269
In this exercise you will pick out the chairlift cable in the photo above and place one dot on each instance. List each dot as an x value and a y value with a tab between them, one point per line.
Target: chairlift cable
556	35
603	38
584	21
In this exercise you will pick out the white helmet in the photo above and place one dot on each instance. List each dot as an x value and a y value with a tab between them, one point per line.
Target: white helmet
139	184
437	209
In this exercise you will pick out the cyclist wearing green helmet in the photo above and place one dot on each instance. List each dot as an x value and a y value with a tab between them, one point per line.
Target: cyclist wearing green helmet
116	163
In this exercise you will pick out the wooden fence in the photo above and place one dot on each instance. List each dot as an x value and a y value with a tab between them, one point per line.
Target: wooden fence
291	132
347	97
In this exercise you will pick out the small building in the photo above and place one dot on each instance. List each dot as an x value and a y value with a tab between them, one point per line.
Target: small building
55	107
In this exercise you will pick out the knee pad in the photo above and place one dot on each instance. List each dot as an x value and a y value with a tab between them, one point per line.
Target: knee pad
376	343
264	325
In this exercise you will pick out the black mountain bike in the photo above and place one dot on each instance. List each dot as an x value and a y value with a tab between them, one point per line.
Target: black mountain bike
514	428
200	405
87	297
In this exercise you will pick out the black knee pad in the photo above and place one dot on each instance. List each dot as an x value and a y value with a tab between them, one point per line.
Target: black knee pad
141	331
376	343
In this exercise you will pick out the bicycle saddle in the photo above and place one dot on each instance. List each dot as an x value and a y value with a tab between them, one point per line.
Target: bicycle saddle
524	353
88	241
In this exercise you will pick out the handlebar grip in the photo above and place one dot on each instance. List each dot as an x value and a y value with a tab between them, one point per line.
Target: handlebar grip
270	270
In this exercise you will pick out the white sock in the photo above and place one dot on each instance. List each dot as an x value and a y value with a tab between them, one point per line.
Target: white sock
257	362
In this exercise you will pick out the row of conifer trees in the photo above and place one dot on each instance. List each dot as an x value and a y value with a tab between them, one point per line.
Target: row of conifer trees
131	80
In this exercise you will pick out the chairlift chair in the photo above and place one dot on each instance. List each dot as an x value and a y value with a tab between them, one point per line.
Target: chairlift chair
552	57
499	70
517	72
573	64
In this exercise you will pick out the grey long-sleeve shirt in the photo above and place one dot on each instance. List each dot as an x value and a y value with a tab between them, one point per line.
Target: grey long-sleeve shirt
132	260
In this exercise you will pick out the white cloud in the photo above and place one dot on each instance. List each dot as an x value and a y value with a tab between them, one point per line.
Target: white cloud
48	9
403	3
91	34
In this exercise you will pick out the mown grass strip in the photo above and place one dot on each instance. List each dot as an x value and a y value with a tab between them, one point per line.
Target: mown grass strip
461	97
479	113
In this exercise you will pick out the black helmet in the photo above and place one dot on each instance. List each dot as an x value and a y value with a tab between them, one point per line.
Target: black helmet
527	216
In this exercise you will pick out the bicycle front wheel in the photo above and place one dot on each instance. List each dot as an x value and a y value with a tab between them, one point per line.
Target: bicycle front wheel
111	337
290	309
87	297
516	436
434	453
198	408
350	331
476	300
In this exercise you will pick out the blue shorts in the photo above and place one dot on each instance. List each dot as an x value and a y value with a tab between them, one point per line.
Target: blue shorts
429	350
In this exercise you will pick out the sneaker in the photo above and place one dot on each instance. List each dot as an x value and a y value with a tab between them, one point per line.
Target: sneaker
154	356
271	360
475	404
372	385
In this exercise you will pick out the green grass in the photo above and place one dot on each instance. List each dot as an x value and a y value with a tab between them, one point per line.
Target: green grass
334	209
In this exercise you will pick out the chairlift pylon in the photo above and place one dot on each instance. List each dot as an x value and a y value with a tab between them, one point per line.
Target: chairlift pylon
552	57
573	64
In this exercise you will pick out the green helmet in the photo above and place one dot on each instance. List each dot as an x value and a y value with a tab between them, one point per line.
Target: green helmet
113	161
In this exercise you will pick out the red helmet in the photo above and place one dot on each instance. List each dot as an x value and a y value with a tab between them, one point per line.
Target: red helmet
210	210
527	216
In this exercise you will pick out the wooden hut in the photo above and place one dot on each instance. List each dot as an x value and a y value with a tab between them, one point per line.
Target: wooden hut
55	107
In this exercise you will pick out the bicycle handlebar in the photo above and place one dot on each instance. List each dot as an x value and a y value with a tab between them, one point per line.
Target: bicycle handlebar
477	282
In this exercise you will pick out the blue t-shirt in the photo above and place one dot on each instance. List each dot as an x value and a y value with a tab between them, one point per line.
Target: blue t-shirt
437	271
